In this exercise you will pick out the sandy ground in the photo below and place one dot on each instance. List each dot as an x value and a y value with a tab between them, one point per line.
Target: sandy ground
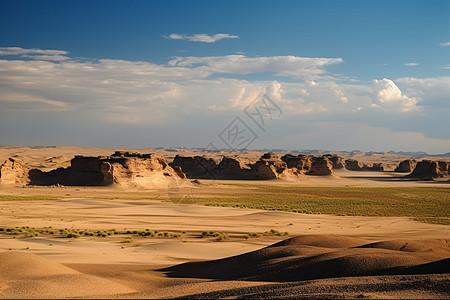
166	216
95	267
108	268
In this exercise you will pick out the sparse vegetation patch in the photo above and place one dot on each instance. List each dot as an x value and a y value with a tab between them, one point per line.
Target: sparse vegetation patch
425	204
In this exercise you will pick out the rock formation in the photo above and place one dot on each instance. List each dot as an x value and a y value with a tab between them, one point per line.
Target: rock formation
13	172
263	169
373	167
196	167
337	161
427	169
267	167
406	166
125	168
234	168
320	166
300	162
353	165
444	167
273	160
119	168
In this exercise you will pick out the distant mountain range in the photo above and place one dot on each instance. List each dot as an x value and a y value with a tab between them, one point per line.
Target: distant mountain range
354	152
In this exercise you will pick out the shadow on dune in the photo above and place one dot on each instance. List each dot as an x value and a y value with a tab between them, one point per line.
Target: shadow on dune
434	286
323	256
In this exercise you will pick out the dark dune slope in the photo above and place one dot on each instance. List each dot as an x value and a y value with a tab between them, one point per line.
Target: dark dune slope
323	256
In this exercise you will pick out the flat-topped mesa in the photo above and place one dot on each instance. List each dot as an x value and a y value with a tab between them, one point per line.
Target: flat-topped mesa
427	169
406	166
127	168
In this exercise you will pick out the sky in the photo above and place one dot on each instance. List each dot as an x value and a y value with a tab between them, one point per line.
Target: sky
295	75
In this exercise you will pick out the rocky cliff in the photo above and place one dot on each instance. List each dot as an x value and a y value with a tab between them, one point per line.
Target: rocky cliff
427	169
13	172
406	166
120	168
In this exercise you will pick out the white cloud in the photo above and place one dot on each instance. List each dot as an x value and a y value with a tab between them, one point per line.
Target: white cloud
181	95
201	37
37	54
446	44
411	64
388	96
293	66
42	103
433	91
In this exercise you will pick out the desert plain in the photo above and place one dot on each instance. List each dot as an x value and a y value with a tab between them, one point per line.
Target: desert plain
349	234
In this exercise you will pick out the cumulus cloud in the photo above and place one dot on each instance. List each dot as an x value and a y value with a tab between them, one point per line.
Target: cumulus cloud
201	37
182	95
446	44
433	91
388	96
411	64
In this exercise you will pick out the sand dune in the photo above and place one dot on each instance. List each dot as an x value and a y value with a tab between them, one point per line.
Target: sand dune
323	241
434	286
315	257
25	275
309	266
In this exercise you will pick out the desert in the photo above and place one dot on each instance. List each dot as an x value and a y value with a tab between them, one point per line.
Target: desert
152	231
233	149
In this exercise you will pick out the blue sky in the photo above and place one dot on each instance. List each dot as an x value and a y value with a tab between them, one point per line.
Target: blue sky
370	75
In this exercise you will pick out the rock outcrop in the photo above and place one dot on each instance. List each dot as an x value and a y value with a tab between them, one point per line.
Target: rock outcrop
234	168
196	167
444	167
337	161
274	160
13	172
264	170
427	169
312	165
320	166
353	165
406	166
300	162
269	166
373	167
119	168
